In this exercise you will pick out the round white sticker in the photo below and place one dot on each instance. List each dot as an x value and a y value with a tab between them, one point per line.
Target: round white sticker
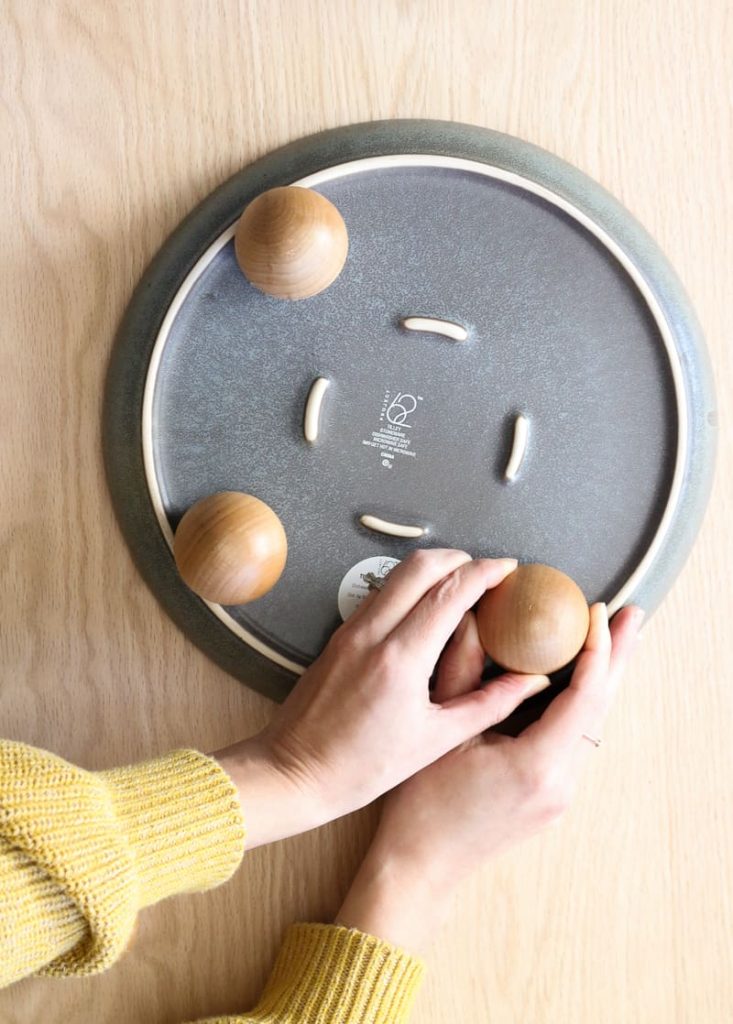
354	587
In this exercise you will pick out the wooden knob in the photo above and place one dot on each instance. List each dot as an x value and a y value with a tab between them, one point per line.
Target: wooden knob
535	621
291	242
230	548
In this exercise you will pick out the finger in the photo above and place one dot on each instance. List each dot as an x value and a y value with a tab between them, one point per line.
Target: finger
624	632
426	630
347	627
461	663
363	606
581	709
472	713
571	712
624	635
405	586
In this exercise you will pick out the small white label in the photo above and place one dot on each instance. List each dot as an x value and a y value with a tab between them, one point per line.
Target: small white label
354	587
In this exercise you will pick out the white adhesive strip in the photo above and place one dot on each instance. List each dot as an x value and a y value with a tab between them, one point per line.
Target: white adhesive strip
312	417
445	327
519	447
392	529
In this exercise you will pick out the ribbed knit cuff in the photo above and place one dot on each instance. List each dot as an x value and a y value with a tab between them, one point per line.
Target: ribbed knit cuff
182	820
116	841
330	973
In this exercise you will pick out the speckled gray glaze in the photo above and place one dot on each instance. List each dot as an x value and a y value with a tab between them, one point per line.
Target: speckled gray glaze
557	331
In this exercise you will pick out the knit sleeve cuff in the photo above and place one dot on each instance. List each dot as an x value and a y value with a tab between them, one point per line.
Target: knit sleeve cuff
182	821
113	842
330	973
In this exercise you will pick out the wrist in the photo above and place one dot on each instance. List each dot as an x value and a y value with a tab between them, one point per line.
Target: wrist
274	804
400	901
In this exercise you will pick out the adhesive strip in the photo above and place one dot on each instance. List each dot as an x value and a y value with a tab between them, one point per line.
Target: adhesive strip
519	447
392	529
445	327
312	417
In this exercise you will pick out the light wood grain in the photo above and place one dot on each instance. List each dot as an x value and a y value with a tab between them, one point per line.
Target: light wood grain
116	118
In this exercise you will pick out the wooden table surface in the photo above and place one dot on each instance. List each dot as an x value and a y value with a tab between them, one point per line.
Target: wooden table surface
117	118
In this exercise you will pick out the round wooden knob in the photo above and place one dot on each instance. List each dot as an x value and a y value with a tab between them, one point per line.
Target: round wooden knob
230	548
535	621
291	242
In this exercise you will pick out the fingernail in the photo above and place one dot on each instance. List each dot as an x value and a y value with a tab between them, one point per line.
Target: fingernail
542	683
602	612
509	564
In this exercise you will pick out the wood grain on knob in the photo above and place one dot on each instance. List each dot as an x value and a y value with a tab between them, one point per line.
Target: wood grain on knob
230	548
291	242
536	620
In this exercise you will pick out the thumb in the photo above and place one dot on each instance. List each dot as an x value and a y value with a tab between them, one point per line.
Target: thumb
462	662
472	713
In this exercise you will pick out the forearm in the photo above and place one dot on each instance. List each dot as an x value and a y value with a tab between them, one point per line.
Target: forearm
326	974
38	920
274	804
363	969
81	852
403	904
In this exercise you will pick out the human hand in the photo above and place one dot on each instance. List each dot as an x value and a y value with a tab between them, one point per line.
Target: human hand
361	719
487	795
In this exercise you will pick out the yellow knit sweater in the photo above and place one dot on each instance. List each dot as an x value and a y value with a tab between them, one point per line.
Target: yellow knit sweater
81	852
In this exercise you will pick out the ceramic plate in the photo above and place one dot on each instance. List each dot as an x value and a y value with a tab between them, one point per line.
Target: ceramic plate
573	424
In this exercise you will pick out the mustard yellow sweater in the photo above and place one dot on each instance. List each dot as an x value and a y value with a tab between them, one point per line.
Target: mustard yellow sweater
82	852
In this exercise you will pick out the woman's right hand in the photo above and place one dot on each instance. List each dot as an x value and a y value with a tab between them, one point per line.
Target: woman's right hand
486	796
361	719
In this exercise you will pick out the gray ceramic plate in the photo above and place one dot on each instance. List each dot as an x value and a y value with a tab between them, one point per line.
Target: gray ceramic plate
576	326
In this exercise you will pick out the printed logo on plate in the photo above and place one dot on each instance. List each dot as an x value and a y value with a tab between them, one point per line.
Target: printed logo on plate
354	588
396	417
